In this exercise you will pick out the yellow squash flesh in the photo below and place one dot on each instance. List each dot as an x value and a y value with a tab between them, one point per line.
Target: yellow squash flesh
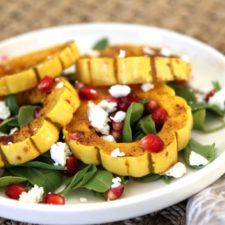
23	72
137	162
38	136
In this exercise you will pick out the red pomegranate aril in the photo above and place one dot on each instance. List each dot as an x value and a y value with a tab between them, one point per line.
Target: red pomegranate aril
152	143
36	112
124	104
117	126
75	136
114	193
53	198
151	106
117	135
46	83
133	97
15	190
88	93
210	94
159	116
71	165
112	99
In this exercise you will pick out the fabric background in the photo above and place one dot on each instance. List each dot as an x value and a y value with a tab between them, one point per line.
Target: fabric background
202	19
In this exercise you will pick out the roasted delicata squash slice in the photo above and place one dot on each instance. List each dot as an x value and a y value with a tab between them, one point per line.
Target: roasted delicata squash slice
137	162
23	72
38	136
127	64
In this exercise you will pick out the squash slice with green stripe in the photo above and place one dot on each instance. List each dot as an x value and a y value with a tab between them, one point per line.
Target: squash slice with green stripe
23	72
38	136
137	162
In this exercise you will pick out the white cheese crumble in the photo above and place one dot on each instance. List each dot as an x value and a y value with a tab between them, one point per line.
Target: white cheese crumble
147	87
59	153
116	153
218	99
109	107
148	51
59	85
93	53
12	131
122	53
196	159
118	91
9	143
83	200
185	58
108	138
178	170
34	195
98	118
4	111
116	182
165	52
119	116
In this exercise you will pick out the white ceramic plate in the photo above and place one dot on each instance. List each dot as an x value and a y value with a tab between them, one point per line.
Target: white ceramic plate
138	199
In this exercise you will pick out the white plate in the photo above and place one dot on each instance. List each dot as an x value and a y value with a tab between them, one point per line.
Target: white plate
138	199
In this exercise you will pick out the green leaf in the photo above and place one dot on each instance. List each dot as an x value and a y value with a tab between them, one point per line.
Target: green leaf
184	92
50	180
100	182
143	101
207	151
80	178
124	179
216	85
147	125
4	181
133	114
138	135
101	44
8	124
71	77
26	115
199	119
166	179
10	101
148	178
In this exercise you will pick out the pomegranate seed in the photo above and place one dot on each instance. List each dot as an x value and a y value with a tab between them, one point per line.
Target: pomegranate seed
152	143
15	190
36	112
55	199
112	99
75	136
133	97
46	83
114	193
117	135
151	106
124	104
71	165
117	126
88	93
210	94
159	116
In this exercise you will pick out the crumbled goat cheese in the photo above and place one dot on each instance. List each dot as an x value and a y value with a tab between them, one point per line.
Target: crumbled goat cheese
98	118
148	51
178	170
118	91
147	87
83	200
119	116
196	159
116	153
109	107
185	58
108	138
218	99
59	85
122	53
59	153
4	111
165	52
9	143
12	131
93	53
116	182
34	195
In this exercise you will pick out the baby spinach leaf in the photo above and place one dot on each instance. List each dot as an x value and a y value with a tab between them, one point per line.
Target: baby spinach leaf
199	119
133	114
8	124
100	182
216	85
124	179
143	101
213	108
10	101
138	135
207	151
4	181
101	44
50	180
26	115
165	178
147	125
